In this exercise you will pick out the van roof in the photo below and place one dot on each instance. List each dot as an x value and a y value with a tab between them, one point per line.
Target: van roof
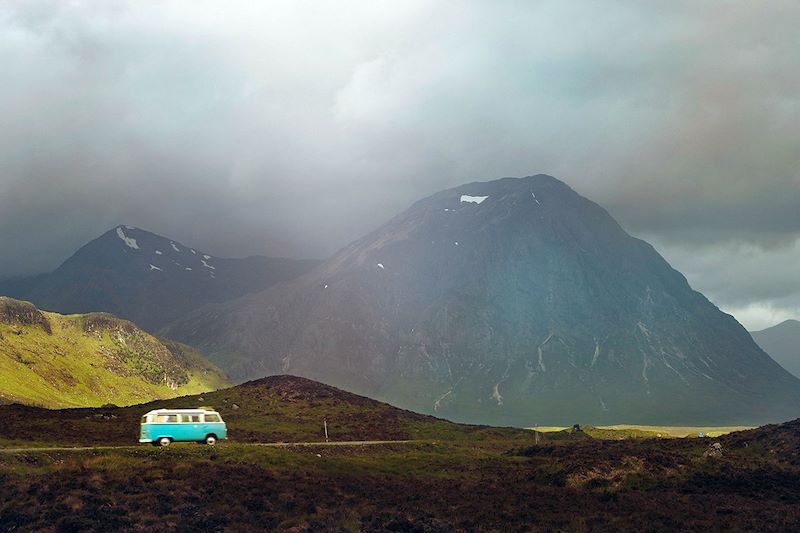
181	411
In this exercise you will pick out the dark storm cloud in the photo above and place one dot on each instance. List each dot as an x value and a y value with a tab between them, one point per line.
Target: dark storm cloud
293	127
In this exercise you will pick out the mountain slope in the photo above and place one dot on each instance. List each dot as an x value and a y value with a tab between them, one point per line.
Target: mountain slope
782	343
515	301
89	360
149	279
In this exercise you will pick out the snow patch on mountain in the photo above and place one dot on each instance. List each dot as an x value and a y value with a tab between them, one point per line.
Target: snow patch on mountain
129	242
473	199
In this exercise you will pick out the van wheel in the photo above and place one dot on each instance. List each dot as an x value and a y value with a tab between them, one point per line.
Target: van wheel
164	441
211	440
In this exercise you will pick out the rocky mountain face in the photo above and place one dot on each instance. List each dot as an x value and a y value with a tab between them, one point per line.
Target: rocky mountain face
148	279
90	360
782	343
515	301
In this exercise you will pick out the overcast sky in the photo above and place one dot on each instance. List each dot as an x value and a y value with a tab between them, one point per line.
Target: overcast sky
294	127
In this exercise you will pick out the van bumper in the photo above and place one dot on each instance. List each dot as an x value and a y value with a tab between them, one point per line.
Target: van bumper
145	440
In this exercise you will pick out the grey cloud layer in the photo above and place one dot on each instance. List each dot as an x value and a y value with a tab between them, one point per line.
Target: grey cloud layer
293	127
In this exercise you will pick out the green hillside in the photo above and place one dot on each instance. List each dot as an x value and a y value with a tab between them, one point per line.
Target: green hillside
272	409
53	360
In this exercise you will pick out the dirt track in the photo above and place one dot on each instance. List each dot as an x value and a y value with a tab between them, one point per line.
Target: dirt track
266	444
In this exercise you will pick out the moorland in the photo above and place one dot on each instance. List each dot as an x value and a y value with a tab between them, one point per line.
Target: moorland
443	477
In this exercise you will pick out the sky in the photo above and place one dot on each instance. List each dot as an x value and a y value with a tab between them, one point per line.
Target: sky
294	127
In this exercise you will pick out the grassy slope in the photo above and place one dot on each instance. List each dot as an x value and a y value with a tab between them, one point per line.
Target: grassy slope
274	409
72	367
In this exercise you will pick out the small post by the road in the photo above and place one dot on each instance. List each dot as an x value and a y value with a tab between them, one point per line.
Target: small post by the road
536	431
325	422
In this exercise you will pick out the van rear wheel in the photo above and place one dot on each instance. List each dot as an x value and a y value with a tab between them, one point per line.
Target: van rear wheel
211	440
164	441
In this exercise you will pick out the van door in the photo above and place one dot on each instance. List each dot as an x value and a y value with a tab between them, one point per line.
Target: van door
212	421
193	428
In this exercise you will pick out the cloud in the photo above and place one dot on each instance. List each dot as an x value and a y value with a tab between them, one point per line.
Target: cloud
294	126
756	285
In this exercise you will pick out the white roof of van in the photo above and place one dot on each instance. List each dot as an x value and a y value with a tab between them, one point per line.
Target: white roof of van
181	411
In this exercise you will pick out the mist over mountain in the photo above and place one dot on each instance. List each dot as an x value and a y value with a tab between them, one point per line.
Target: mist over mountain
148	279
515	301
782	343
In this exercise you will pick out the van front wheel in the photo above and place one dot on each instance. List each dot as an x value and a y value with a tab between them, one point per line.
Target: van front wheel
164	441
211	440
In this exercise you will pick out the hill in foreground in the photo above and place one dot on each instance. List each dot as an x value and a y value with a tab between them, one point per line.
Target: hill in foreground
272	409
508	302
54	360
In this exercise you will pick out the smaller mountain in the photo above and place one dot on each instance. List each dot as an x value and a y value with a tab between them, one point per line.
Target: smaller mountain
54	360
782	343
273	409
148	279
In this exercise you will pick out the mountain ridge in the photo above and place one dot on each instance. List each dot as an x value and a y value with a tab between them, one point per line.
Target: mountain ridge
782	343
148	278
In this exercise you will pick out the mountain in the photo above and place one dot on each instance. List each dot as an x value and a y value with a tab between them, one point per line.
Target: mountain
90	360
273	409
782	342
515	301
149	279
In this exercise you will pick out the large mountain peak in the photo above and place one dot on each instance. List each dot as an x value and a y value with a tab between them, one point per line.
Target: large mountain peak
510	301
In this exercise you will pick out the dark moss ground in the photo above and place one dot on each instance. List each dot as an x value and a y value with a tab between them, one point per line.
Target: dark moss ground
582	485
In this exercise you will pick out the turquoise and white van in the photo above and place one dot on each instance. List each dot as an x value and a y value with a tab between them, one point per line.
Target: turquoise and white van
162	427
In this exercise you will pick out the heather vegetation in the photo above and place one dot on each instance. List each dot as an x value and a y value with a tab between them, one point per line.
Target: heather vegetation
578	484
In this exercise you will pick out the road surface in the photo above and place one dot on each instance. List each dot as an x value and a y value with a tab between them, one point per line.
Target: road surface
264	444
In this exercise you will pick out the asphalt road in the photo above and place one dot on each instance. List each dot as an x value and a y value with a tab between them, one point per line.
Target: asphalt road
264	444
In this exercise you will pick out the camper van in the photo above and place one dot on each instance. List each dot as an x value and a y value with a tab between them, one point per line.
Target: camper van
162	427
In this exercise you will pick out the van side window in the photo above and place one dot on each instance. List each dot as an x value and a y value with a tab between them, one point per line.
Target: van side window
212	417
190	419
167	419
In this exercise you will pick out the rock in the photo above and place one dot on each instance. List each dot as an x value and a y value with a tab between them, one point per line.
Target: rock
714	450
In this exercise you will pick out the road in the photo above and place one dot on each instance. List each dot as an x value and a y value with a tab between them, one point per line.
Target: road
264	444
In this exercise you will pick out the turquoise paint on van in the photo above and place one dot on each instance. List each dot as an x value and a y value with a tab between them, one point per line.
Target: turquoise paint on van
164	426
